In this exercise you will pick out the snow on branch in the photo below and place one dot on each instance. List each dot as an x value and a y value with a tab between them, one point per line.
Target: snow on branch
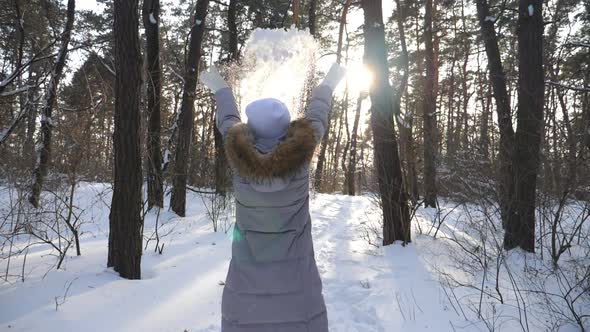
8	80
15	91
4	133
577	44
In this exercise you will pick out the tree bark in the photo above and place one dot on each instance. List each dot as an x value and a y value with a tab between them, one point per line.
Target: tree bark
351	169
44	151
233	30
520	229
151	23
296	12
187	110
585	127
312	17
407	144
429	111
498	80
126	224
396	221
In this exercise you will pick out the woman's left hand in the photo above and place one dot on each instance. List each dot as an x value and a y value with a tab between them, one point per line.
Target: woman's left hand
212	79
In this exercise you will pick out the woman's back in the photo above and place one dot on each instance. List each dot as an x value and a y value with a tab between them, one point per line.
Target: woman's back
273	283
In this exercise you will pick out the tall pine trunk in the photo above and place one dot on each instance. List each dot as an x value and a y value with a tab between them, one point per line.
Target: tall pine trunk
125	221
407	144
151	23
396	220
233	30
499	87
187	110
312	17
44	150
520	229
429	111
351	168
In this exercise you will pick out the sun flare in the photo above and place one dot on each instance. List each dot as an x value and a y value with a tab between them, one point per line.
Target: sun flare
359	78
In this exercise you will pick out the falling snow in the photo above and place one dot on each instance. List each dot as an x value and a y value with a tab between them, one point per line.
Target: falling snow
490	19
531	10
153	19
276	58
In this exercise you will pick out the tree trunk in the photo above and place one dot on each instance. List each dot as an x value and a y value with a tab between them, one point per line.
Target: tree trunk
351	169
125	221
296	12
485	120
585	127
345	149
429	111
31	111
44	151
465	100
451	142
396	221
151	22
520	229
222	175
570	138
498	80
233	30
407	144
312	17
317	180
187	109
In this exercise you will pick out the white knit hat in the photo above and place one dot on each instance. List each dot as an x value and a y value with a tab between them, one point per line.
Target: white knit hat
269	120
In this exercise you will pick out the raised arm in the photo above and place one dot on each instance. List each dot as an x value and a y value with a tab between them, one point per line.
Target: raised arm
321	100
318	109
227	113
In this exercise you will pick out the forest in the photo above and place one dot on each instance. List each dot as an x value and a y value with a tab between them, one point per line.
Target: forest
450	189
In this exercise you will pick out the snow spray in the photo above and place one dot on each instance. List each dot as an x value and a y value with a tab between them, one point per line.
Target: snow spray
276	64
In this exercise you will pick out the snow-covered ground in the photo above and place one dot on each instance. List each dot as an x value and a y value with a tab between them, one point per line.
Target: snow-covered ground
366	287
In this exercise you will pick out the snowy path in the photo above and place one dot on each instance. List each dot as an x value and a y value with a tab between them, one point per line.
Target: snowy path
366	288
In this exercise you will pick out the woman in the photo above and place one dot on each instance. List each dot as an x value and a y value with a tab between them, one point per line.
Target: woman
273	282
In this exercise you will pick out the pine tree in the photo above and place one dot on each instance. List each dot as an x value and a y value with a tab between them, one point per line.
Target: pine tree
126	224
396	220
151	24
50	100
187	110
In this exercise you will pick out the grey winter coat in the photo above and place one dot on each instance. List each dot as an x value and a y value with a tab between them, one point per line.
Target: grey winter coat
273	282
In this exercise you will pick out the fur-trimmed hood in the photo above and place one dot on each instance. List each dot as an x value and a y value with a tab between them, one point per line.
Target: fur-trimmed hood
283	161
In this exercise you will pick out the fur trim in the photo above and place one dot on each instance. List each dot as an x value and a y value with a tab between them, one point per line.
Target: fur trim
284	160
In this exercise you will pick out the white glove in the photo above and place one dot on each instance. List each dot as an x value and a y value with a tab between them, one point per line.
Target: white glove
212	80
334	76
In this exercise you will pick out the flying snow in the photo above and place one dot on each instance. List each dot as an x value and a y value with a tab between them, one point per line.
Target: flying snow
153	19
276	64
531	10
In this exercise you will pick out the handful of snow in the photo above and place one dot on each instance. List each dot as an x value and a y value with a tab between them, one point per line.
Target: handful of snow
276	64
